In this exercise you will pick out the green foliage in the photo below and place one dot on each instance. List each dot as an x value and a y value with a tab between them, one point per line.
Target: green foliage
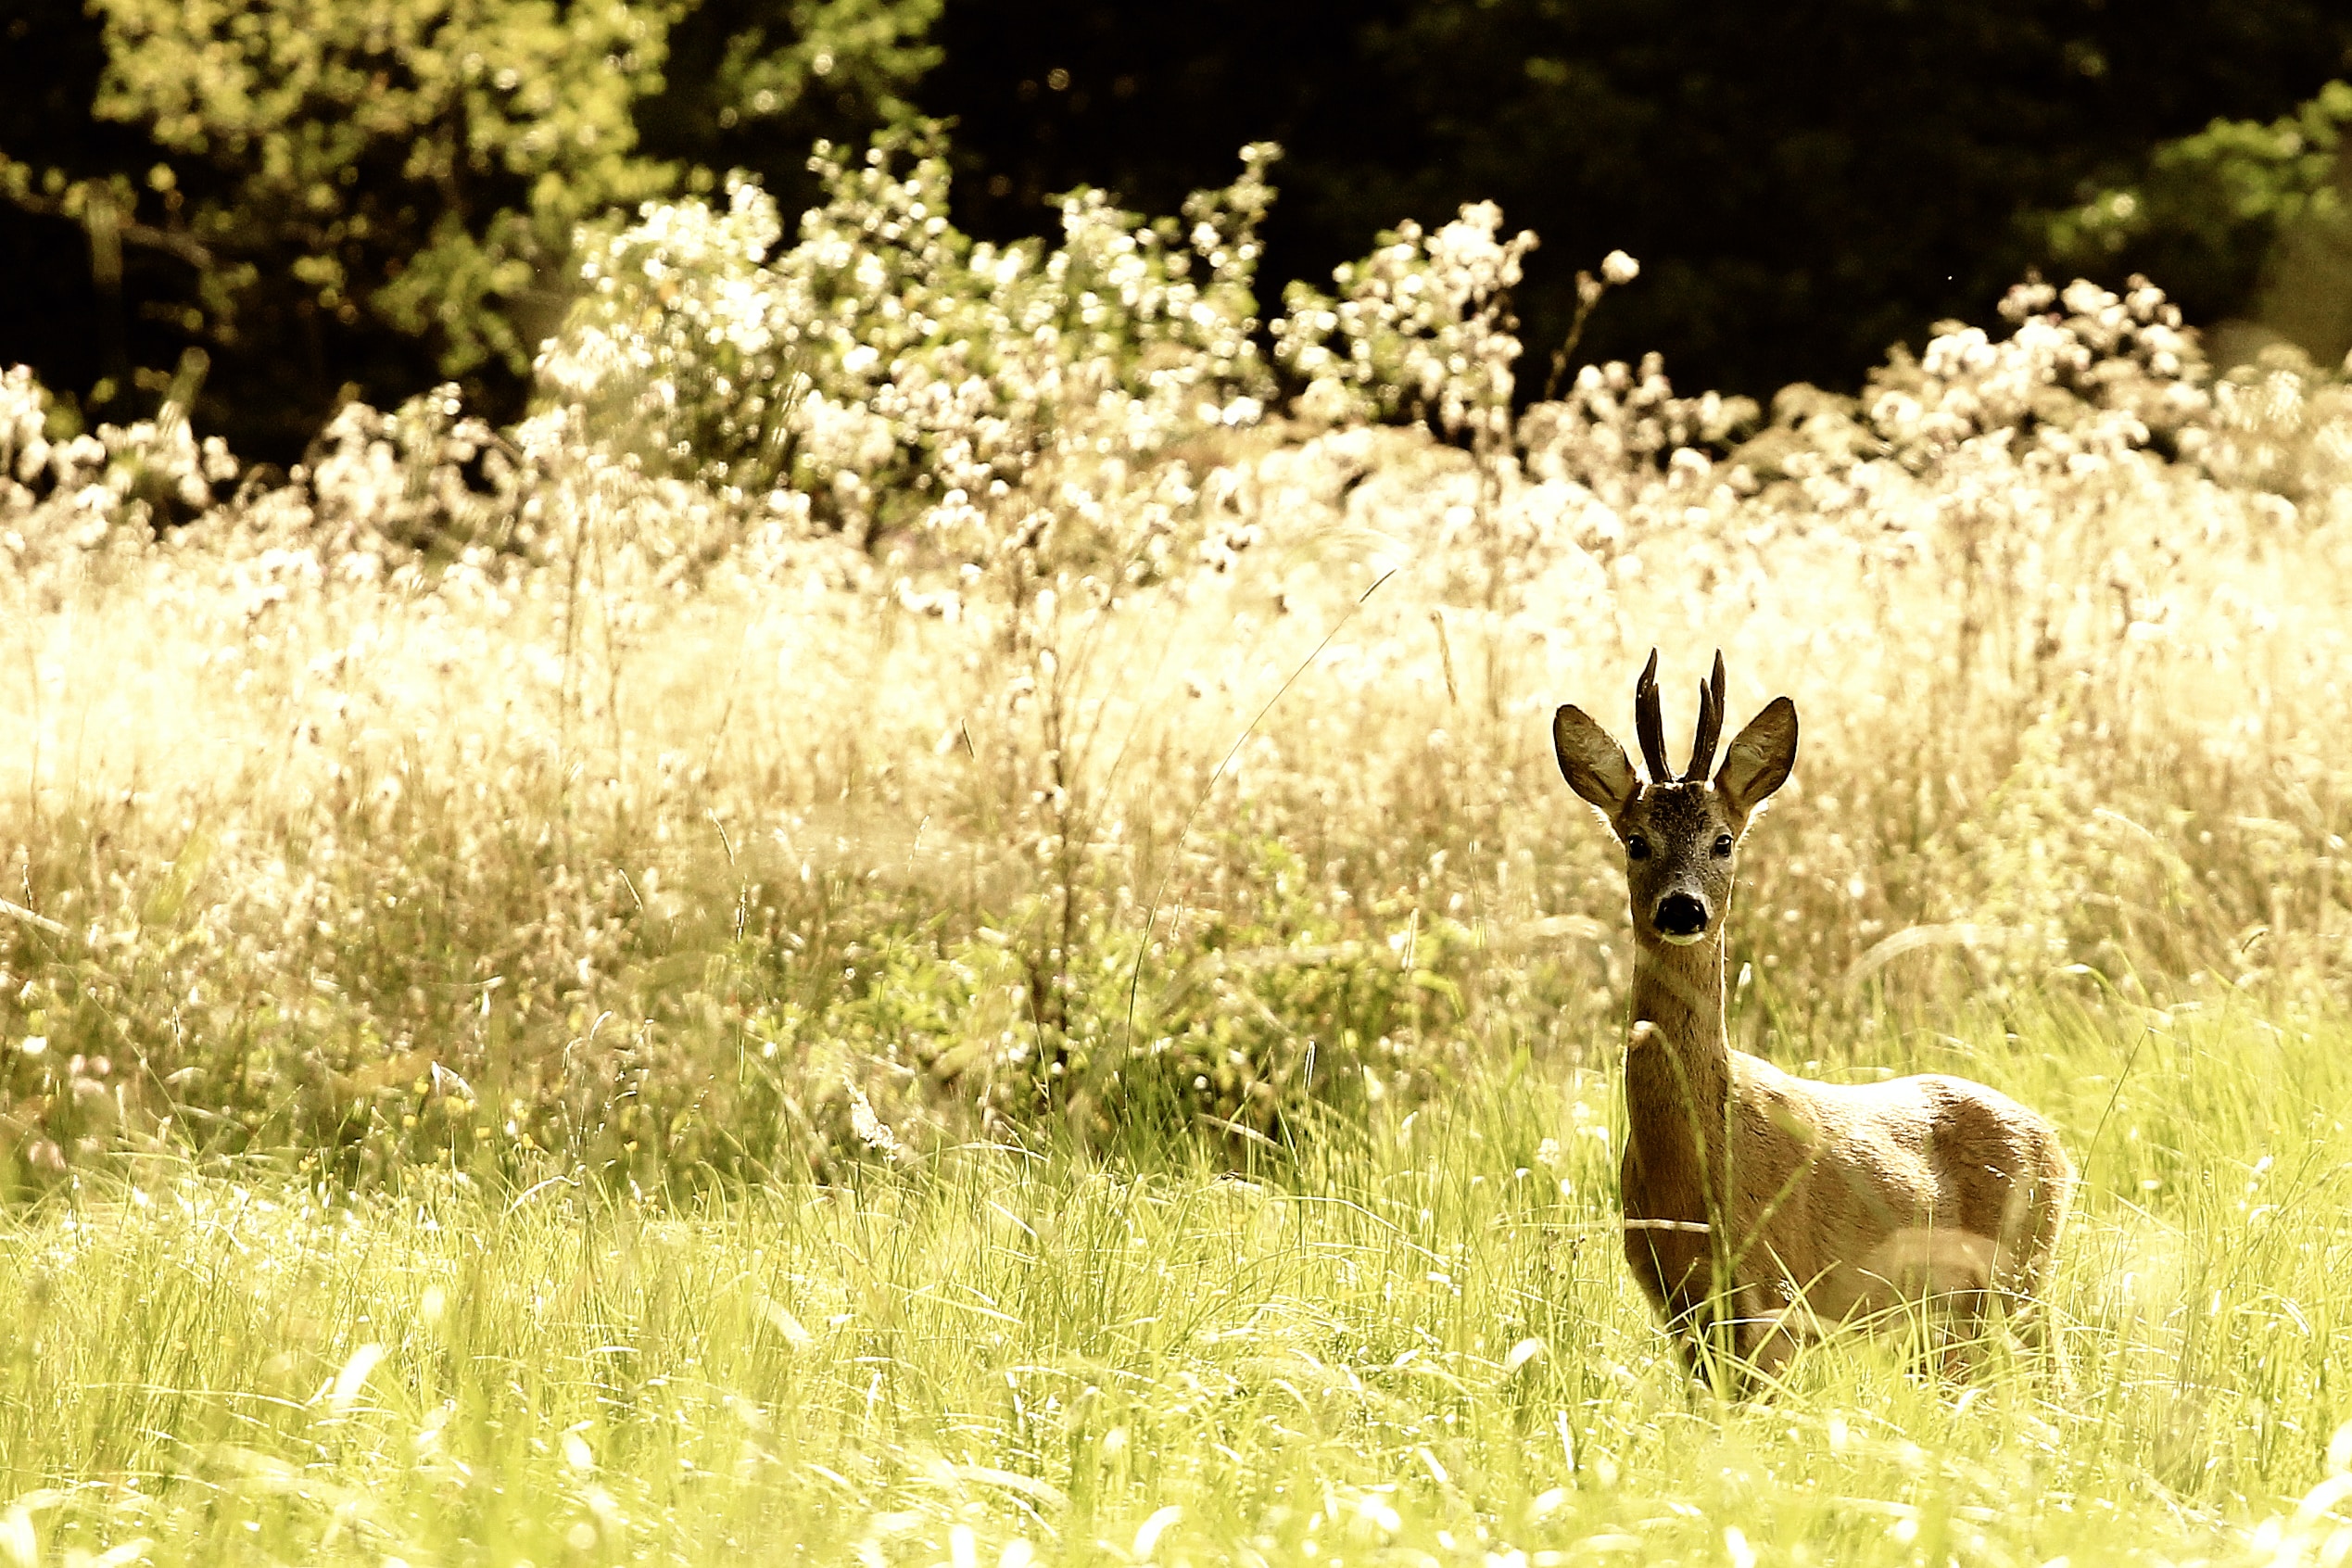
868	52
1256	1029
2261	211
2235	181
752	82
1276	1017
389	193
415	168
834	1025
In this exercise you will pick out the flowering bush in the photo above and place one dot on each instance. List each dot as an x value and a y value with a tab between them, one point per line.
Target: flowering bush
427	474
1423	328
135	477
899	373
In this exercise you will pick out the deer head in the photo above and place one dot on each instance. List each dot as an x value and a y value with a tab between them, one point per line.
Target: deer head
1681	836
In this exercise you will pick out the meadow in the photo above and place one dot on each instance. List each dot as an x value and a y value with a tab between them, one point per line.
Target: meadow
1001	971
1419	1346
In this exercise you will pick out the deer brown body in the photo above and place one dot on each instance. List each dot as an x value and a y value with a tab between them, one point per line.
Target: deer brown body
1760	1206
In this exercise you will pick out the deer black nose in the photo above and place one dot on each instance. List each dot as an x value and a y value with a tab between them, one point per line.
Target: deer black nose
1680	915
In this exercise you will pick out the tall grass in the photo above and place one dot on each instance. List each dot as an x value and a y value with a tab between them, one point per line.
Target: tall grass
1419	1345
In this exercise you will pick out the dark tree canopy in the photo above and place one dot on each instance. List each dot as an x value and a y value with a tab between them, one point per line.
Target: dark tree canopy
51	57
1804	183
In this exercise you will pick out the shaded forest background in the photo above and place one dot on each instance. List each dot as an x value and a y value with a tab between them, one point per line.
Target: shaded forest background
336	198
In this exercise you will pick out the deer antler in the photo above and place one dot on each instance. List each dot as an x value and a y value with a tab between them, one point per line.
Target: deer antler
1703	746
1647	725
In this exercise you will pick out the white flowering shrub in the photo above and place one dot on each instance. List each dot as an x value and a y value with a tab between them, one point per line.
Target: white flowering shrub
2085	370
427	474
676	352
2279	425
65	496
1002	418
1621	426
1420	330
897	373
24	434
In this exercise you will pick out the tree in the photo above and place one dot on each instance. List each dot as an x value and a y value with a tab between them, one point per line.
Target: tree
370	195
2245	216
1804	183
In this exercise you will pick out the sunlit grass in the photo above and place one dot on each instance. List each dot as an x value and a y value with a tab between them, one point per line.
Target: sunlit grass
669	1040
1416	1340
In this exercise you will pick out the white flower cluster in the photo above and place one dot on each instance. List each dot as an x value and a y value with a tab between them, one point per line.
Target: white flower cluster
905	378
1995	439
1621	429
678	354
426	474
85	488
1422	327
2109	370
2279	426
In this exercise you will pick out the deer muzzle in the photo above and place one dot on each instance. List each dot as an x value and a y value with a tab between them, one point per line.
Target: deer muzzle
1680	918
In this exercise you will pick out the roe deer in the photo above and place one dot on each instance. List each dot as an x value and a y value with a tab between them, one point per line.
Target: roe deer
1758	1204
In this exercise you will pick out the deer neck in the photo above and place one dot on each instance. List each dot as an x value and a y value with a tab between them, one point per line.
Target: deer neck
1679	1068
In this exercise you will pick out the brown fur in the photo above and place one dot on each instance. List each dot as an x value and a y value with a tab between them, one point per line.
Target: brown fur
1760	1206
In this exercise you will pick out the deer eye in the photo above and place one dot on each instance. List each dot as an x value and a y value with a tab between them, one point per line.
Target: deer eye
1637	848
1723	846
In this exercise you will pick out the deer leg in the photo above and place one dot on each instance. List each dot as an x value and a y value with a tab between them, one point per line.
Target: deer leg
1710	1337
1773	1337
2034	1214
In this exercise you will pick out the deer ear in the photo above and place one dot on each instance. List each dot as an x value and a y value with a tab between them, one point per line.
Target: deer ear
1759	761
1594	766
